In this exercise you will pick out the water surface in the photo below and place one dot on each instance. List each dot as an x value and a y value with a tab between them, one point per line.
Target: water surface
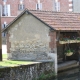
72	74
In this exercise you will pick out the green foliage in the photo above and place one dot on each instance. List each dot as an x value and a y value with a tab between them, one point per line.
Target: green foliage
68	51
10	63
49	76
78	38
65	39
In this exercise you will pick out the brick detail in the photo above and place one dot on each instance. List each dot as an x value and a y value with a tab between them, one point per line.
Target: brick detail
7	19
64	5
30	4
52	43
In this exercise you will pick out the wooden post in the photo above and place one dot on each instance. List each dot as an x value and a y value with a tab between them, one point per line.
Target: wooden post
0	41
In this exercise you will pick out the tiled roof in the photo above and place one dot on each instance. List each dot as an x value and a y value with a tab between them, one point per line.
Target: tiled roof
59	20
56	20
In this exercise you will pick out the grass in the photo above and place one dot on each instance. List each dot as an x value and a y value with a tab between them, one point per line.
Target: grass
4	56
10	63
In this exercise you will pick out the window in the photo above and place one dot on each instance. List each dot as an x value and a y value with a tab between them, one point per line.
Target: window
6	10
39	6
70	5
21	6
3	26
70	0
70	10
57	6
21	0
0	10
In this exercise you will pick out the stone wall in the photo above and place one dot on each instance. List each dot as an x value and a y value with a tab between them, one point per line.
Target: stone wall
27	72
29	40
30	50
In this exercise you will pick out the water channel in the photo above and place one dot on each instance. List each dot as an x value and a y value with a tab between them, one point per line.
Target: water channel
72	74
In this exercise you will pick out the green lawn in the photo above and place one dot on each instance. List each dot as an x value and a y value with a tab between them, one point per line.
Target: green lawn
10	63
4	56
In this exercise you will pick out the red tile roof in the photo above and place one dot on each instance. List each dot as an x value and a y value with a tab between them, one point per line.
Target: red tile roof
56	20
59	20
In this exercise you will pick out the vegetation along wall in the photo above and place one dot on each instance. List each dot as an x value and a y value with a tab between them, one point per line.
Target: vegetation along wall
38	71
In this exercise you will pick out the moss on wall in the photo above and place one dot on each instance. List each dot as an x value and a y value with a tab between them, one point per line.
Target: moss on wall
28	72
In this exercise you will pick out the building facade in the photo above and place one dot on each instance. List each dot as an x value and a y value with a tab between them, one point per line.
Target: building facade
66	5
10	9
69	5
44	35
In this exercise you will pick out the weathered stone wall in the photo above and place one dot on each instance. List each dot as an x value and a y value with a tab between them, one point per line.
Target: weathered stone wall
29	39
27	72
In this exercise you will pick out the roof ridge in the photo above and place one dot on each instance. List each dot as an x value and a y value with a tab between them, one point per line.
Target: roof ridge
51	11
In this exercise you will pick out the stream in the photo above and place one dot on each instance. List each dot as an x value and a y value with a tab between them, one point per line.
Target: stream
72	74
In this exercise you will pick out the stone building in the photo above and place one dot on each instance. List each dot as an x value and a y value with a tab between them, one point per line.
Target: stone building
34	35
10	9
44	35
8	13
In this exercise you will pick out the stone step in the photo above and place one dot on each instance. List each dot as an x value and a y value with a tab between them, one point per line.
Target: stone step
67	65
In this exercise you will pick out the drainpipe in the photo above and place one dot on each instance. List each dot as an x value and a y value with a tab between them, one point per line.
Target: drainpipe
0	40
